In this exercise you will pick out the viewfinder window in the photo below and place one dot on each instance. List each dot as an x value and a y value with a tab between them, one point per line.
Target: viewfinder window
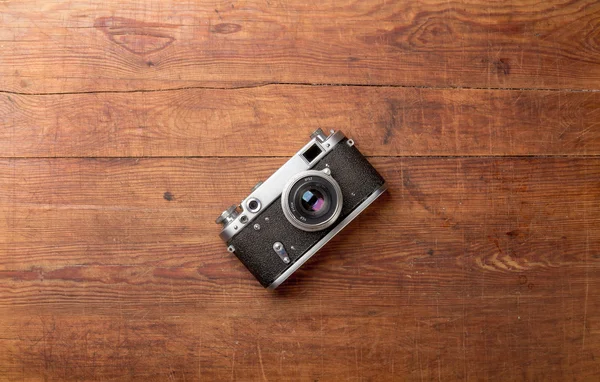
312	152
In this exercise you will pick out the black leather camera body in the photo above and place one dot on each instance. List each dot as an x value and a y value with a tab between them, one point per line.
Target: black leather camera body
290	216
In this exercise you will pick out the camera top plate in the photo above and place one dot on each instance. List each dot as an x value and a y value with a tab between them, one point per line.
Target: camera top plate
267	192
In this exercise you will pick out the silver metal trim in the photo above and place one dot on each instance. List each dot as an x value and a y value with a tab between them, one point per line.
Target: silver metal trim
271	188
228	215
288	272
290	216
319	134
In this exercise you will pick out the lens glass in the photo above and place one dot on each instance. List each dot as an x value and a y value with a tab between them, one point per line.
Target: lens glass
313	200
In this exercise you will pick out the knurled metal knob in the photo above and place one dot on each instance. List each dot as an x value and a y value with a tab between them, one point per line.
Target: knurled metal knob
319	134
227	216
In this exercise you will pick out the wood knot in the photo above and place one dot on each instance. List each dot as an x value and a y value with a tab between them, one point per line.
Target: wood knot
432	32
424	33
136	36
226	28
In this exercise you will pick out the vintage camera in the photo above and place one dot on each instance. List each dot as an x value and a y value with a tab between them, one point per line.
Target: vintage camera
290	216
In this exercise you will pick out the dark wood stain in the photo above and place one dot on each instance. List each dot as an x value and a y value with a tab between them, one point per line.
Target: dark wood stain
502	66
390	123
226	28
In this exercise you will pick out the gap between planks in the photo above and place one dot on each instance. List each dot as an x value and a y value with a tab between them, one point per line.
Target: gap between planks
260	85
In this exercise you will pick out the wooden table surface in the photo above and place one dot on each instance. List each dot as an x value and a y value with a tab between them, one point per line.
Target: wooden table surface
127	126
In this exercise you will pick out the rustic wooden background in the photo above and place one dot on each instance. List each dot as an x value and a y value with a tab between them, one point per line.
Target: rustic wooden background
127	126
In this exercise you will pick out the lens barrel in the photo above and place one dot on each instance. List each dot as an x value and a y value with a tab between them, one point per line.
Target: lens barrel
312	200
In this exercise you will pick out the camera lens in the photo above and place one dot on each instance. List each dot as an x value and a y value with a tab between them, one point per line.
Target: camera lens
312	200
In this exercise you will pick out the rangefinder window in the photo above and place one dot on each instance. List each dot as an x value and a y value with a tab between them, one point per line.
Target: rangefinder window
312	153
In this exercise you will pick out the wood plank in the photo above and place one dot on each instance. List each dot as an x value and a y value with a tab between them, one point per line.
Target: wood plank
276	121
468	268
75	46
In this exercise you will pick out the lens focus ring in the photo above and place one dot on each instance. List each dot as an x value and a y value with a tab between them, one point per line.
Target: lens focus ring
312	200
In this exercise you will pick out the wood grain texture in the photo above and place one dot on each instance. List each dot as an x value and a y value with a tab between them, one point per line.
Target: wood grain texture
387	121
466	269
73	46
127	127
